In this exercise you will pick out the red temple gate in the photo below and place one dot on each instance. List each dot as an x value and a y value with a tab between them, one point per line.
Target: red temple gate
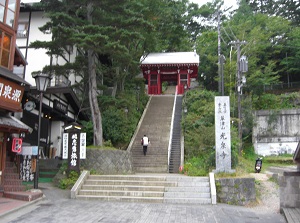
174	68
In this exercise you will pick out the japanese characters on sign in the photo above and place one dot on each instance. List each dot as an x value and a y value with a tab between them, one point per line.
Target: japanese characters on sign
65	146
222	129
74	148
10	95
83	145
26	168
17	145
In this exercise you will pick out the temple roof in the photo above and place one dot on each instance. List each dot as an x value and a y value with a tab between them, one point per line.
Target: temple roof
170	58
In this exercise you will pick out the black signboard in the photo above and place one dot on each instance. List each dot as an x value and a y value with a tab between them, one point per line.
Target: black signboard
57	105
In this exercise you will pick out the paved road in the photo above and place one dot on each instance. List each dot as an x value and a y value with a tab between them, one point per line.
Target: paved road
57	207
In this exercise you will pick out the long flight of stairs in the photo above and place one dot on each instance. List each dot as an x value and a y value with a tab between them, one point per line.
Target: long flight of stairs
156	125
152	181
175	155
168	188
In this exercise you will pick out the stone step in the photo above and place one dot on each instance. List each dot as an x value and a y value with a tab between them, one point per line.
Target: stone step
14	188
128	182
122	198
188	189
166	188
121	193
152	169
187	200
128	177
123	187
23	196
187	195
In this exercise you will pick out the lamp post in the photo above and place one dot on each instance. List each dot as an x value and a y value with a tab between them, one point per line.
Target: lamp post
42	81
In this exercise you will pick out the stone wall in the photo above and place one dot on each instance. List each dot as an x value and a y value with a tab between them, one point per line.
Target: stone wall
276	132
107	161
236	191
289	192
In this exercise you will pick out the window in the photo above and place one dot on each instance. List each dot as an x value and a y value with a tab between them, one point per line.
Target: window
22	30
5	45
8	25
7	12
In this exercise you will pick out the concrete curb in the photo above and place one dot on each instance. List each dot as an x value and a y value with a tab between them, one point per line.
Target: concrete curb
213	190
79	183
26	204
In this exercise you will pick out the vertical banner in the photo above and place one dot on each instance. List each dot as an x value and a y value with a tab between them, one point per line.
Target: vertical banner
83	145
222	134
74	147
65	145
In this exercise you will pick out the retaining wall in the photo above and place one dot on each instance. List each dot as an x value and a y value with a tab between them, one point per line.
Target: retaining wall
108	161
236	191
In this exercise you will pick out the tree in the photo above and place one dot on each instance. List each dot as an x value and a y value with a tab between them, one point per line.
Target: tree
95	28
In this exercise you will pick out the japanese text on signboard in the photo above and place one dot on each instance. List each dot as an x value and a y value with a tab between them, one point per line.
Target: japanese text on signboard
10	94
222	129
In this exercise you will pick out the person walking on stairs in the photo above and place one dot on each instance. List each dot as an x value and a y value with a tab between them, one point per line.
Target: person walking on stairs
145	142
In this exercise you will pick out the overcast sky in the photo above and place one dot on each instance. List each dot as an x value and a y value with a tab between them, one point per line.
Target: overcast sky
227	3
200	2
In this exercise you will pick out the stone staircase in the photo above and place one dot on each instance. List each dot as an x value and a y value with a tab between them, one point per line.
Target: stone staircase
156	125
146	188
175	154
152	181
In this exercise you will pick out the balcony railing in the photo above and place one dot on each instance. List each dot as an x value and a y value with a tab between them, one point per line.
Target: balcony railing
22	33
62	81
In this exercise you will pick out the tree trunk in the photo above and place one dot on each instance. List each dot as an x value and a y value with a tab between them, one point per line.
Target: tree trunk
93	91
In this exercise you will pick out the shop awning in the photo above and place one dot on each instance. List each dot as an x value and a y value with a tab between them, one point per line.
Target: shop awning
11	124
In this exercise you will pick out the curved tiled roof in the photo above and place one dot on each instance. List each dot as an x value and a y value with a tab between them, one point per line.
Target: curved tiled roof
170	58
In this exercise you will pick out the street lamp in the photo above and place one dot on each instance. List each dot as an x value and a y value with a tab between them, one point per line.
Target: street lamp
42	81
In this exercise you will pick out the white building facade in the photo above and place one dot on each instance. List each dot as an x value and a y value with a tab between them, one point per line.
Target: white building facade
61	105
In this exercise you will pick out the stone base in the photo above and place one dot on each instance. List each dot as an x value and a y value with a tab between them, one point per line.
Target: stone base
224	171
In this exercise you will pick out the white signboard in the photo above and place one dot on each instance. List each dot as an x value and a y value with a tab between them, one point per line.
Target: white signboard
65	146
222	131
29	151
83	145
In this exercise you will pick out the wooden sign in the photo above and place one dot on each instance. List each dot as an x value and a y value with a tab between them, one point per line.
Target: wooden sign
10	95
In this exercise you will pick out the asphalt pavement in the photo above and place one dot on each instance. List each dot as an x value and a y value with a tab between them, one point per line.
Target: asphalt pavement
57	207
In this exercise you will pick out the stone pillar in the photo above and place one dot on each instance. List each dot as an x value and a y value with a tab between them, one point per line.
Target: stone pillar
222	134
289	190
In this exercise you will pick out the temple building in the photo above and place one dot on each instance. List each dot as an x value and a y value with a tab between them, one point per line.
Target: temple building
176	68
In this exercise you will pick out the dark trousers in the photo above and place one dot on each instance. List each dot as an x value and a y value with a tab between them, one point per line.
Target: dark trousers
145	150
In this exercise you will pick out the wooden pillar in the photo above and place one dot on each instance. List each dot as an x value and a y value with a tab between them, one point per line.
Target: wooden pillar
149	81
188	78
158	82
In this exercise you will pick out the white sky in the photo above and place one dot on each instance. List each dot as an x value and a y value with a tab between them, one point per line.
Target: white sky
227	3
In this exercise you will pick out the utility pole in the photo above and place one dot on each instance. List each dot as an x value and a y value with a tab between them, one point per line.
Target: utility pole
222	60
219	55
239	84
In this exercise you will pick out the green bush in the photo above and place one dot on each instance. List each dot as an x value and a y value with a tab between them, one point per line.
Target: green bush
67	183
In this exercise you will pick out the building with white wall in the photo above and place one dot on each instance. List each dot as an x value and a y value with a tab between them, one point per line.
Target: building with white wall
61	105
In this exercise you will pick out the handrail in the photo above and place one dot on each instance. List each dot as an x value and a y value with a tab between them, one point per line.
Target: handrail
171	128
138	126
